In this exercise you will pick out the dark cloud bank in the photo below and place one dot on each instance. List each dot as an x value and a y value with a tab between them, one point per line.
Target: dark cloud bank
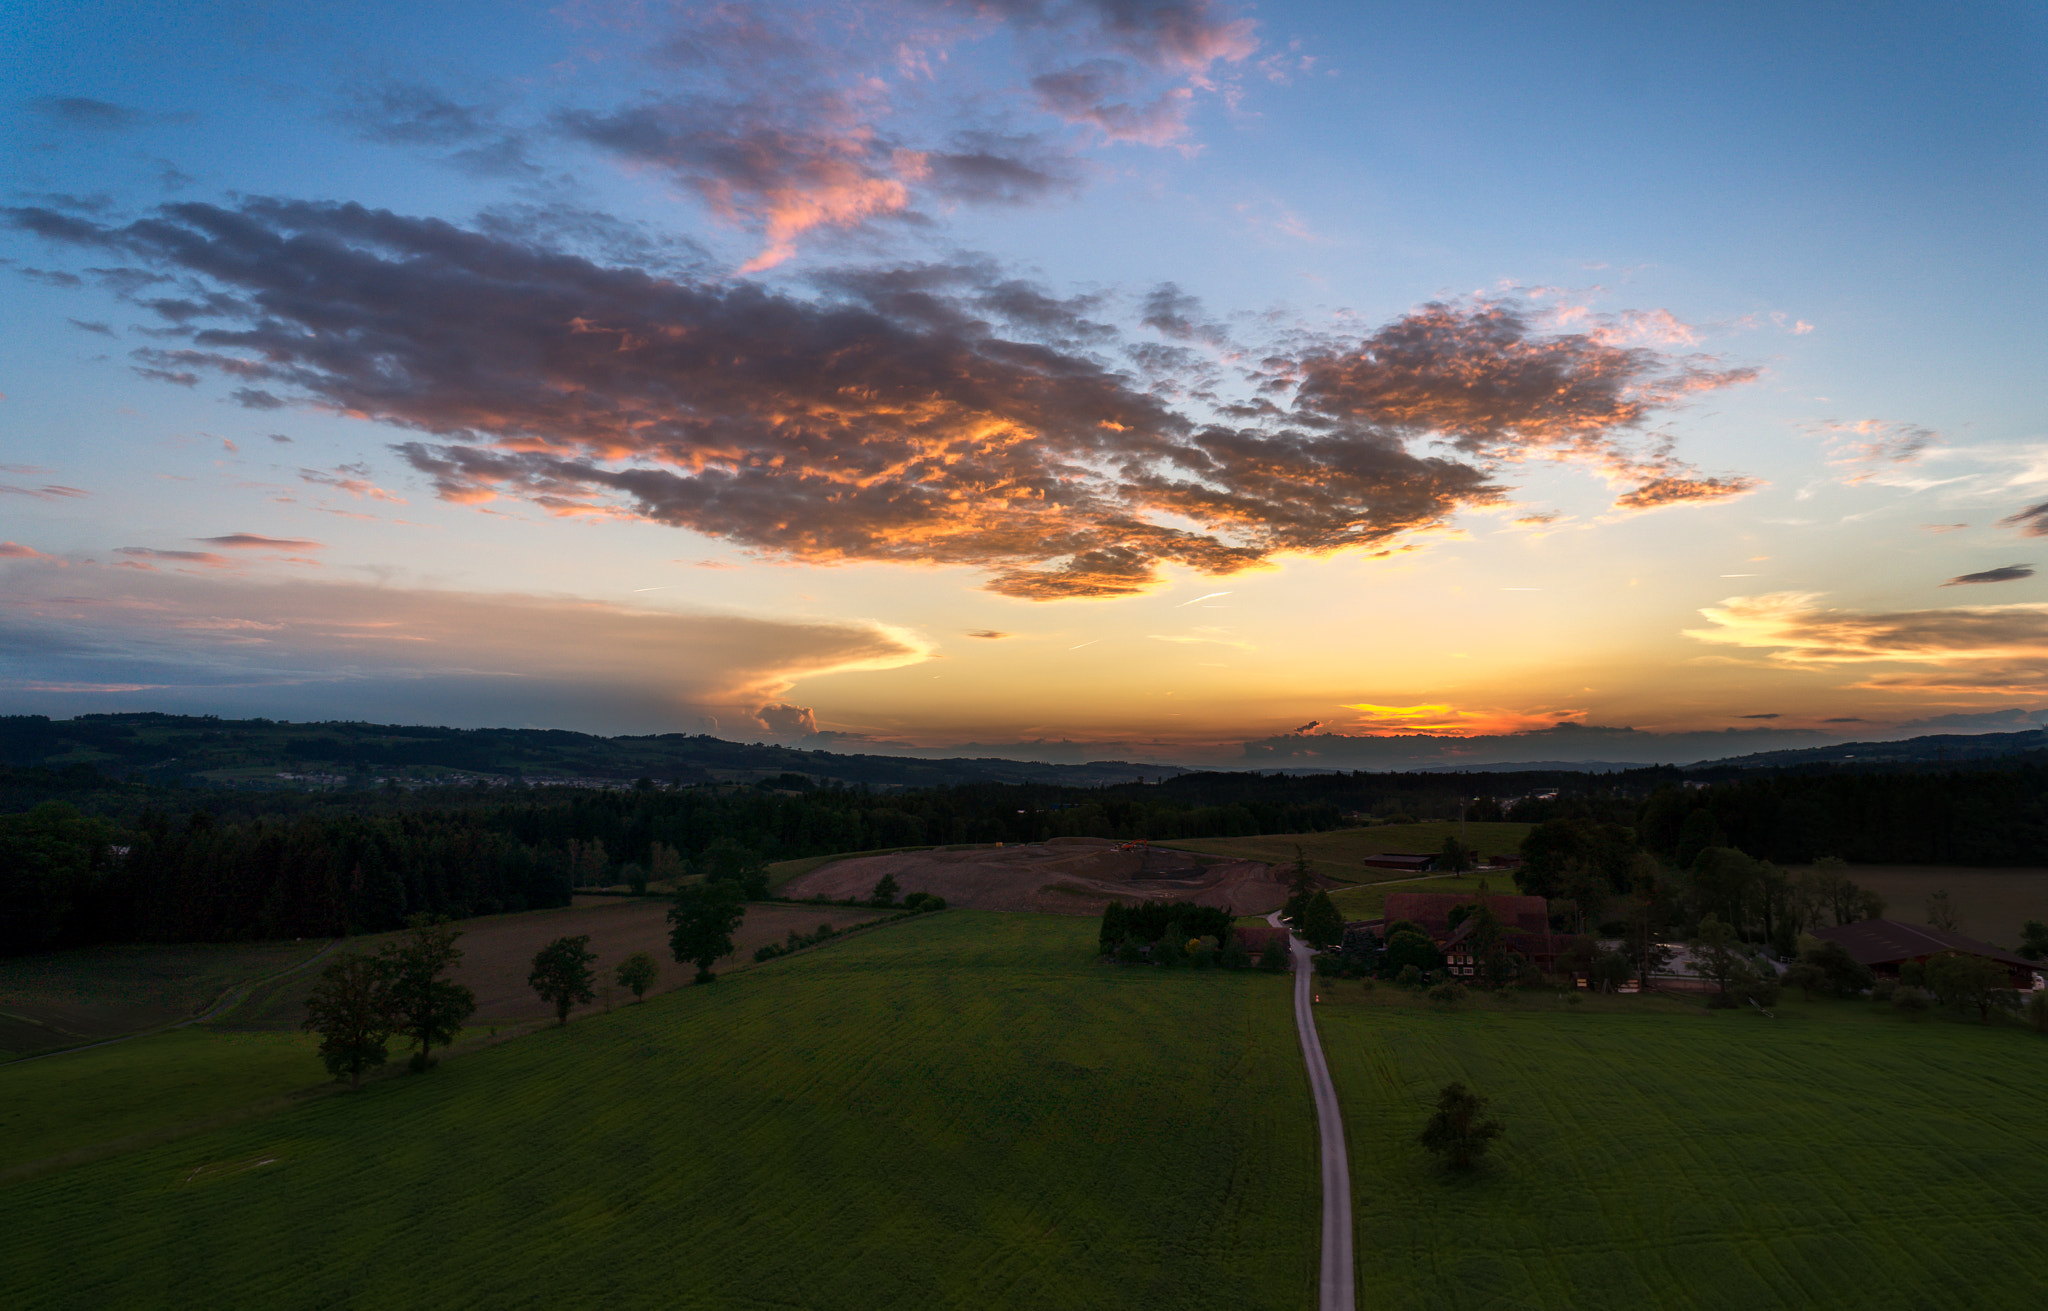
934	414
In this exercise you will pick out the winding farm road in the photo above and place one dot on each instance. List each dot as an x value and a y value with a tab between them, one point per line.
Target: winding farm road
1338	1267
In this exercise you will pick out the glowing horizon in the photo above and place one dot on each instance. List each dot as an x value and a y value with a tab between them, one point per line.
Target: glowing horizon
921	374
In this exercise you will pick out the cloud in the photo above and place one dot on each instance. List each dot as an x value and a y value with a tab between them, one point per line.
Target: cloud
2032	521
890	419
1943	527
2010	573
989	633
258	542
219	644
16	551
785	720
1962	649
1874	448
86	112
47	492
351	478
1478	378
1766	716
146	553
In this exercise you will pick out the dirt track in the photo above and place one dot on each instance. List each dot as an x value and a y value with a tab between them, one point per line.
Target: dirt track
1065	876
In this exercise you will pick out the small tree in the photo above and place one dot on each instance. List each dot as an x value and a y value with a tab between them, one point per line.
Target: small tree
1454	857
2037	1010
1456	1132
350	1008
1273	956
1608	971
639	972
1963	982
885	891
701	923
429	1009
1716	956
2034	940
1941	911
562	974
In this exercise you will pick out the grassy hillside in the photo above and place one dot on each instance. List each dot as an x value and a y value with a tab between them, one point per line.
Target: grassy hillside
1839	1156
1340	853
961	1110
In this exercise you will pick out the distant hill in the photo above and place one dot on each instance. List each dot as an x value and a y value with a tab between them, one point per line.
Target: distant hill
266	753
1939	748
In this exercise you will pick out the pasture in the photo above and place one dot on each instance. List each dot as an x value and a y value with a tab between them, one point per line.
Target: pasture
1990	904
498	954
1339	853
1368	901
961	1111
1662	1155
64	999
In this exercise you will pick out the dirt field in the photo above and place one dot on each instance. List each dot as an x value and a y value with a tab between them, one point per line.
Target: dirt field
1065	876
498	954
1990	904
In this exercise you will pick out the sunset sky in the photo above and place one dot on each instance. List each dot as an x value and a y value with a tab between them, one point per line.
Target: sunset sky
1151	377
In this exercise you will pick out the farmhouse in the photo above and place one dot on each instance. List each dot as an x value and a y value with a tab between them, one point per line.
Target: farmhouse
1884	945
1525	921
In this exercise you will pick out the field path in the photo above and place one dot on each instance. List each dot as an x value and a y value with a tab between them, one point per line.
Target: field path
1339	1269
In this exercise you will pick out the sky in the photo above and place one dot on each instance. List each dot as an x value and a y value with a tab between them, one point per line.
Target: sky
1172	380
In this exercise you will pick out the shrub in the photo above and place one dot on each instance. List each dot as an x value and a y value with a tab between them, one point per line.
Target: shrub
2037	1010
1450	992
1130	952
1910	999
1409	977
1883	989
1202	957
1234	956
1273	959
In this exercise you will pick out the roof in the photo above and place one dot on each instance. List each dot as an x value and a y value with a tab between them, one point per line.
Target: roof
1432	910
1887	942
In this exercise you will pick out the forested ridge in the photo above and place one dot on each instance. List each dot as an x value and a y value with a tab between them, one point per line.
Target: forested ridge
88	858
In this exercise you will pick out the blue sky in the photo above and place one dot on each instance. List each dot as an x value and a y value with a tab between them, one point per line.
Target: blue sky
1154	377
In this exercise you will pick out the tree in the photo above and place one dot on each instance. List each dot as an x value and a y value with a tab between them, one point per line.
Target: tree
1716	956
1273	957
1608	971
1409	947
2034	940
1457	1132
1320	923
885	891
1454	857
1842	973
1645	951
562	974
639	972
1960	982
350	1008
2037	1010
701	924
1941	911
429	1008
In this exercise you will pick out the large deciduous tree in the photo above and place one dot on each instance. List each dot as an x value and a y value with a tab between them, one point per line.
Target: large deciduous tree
350	1008
1458	1132
428	1008
562	974
701	923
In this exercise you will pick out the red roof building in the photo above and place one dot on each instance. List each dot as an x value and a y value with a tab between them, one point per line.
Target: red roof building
1525	921
1884	945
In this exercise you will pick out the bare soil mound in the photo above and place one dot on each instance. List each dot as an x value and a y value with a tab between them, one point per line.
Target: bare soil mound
1064	876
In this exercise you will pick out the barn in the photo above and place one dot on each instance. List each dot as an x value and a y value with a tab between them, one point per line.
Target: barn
1884	945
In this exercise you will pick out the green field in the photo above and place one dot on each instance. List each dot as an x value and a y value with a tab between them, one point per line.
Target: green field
1369	901
1664	1156
64	999
1340	853
146	1087
959	1111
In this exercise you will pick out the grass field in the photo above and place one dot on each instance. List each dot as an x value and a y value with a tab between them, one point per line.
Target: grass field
66	998
1369	901
1839	1156
498	954
1990	904
149	1086
1340	853
960	1110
